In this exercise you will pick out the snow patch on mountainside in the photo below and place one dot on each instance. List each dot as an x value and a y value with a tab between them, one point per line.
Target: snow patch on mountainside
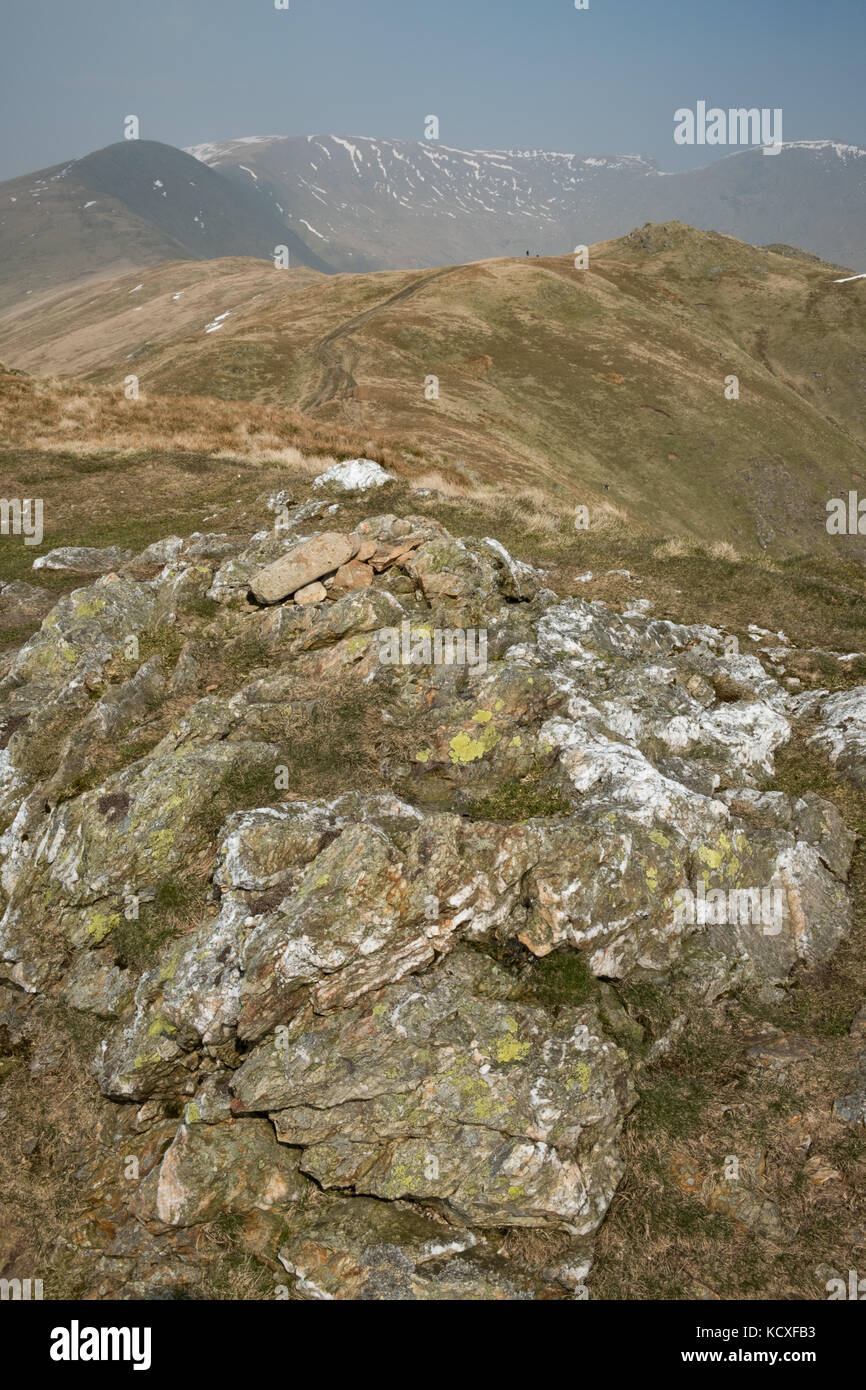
412	203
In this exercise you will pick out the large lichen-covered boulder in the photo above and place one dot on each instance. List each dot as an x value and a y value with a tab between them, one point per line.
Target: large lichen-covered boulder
197	991
449	569
452	1091
354	613
82	633
517	581
325	903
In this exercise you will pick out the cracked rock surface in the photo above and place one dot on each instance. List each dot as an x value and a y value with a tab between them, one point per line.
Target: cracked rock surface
346	1039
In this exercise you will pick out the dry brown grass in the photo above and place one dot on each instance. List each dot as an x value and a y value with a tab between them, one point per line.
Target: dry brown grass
49	1099
437	481
49	414
668	1237
673	549
599	387
723	550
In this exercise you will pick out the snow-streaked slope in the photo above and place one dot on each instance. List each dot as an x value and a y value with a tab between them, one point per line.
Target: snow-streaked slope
381	203
388	203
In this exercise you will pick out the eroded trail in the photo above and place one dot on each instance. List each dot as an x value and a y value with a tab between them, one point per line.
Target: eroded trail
338	381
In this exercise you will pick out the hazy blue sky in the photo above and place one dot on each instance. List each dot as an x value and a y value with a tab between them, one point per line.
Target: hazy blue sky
498	73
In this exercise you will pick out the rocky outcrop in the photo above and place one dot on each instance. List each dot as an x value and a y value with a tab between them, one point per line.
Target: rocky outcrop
841	728
388	1251
348	1033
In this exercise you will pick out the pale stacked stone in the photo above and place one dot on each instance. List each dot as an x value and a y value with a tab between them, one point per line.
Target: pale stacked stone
329	564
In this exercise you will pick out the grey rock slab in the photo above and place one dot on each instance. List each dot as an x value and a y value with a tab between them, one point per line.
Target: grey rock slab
83	559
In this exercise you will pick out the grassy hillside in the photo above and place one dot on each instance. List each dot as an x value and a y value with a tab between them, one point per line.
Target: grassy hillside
603	387
118	472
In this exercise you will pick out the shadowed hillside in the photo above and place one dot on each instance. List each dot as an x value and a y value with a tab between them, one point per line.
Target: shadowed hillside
135	203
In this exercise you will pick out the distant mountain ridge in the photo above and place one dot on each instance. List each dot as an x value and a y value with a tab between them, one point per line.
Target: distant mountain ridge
360	204
371	204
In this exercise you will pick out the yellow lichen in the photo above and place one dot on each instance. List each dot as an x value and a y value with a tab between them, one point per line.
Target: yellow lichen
580	1076
465	749
509	1049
